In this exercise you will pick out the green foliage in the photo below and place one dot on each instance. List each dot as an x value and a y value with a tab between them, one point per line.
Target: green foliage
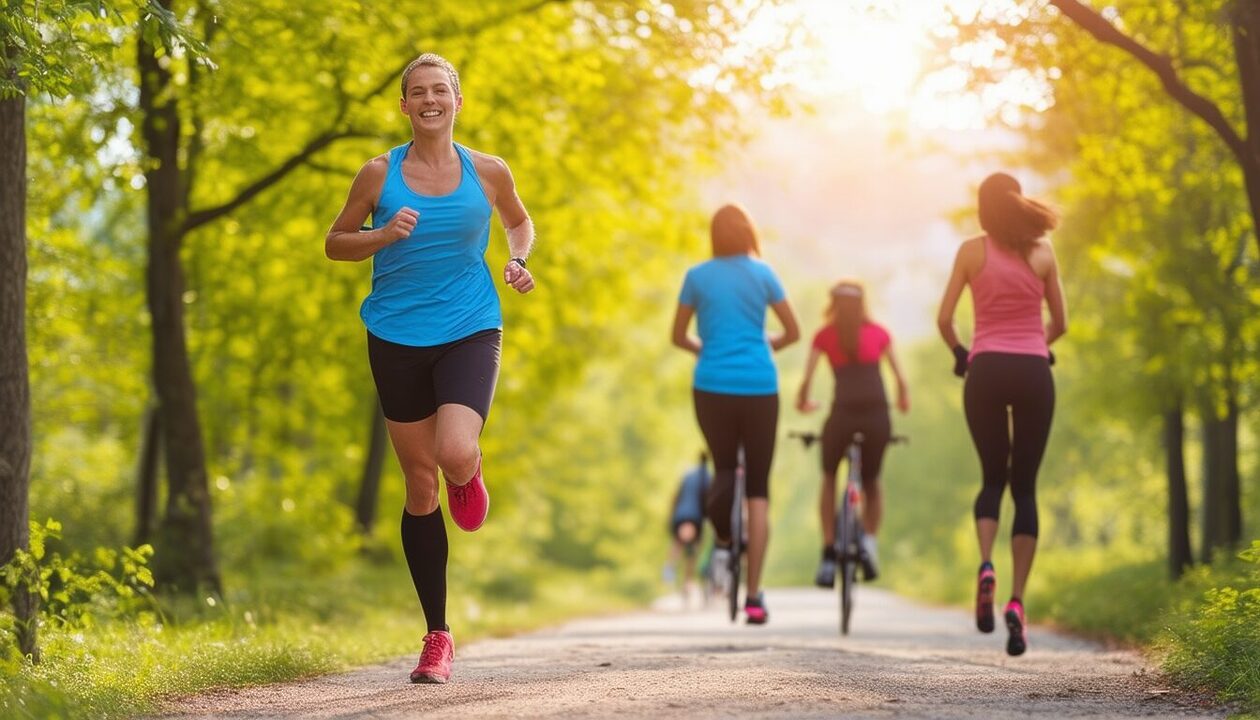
605	161
75	592
1217	642
47	46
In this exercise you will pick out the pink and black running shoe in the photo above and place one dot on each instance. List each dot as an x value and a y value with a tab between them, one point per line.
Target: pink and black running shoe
985	585
1017	643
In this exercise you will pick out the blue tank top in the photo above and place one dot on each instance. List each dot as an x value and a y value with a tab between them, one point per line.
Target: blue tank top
434	286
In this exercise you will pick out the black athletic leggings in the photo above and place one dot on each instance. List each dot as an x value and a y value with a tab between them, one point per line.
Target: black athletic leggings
729	421
1010	448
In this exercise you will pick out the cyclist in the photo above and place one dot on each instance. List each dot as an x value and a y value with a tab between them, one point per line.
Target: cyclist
854	346
686	522
434	323
1009	391
736	385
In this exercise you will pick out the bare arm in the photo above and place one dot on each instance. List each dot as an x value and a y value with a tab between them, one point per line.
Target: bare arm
1054	299
903	391
516	221
791	331
682	319
949	302
803	403
345	239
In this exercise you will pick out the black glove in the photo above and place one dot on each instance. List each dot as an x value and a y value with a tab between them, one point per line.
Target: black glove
960	361
1051	358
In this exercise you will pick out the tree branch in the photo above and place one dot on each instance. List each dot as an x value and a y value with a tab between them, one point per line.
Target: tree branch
1245	18
201	217
1098	26
198	218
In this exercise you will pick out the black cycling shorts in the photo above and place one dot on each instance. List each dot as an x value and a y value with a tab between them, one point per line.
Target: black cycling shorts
413	381
876	428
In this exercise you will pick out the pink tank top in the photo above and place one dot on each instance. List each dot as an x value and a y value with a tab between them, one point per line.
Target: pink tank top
1007	295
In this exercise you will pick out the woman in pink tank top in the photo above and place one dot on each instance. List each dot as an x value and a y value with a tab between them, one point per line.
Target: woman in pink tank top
1009	391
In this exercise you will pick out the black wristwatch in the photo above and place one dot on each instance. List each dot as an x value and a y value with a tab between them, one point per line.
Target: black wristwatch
518	260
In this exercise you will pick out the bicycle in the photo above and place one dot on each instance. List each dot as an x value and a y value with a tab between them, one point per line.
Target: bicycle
848	524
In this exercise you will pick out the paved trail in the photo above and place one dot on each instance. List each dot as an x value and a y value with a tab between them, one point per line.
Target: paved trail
902	661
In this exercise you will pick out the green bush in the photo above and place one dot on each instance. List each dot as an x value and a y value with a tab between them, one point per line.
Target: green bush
75	592
1216	644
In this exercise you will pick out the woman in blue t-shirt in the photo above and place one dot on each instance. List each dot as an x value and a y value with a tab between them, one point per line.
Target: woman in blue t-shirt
736	386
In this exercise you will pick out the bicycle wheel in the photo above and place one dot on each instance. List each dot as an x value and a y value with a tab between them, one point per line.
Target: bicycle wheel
737	541
846	540
848	580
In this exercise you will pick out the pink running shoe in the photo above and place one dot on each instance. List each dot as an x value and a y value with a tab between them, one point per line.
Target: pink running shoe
984	599
435	658
1018	641
755	609
470	503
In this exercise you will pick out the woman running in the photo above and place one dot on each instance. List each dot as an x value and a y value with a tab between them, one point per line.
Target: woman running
736	385
1009	393
434	325
854	346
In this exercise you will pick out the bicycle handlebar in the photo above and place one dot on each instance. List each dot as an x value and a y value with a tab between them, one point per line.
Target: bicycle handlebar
809	438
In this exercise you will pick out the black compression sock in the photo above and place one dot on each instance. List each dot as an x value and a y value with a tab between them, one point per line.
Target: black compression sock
986	565
424	544
829	552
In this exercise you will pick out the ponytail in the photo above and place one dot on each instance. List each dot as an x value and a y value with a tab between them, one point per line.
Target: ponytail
1014	221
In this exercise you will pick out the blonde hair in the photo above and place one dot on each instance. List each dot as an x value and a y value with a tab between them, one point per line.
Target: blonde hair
432	60
847	311
732	232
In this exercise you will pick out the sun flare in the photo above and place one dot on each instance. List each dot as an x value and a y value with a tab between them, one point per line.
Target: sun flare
880	53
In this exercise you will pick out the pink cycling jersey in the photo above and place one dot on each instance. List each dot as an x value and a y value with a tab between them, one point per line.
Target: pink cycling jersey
1008	296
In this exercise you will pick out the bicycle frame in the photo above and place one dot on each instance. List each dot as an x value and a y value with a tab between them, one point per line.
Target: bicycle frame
848	523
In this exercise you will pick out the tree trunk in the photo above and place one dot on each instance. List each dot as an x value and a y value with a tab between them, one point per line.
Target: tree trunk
147	476
185	557
1231	486
1179	552
15	390
1220	484
370	487
1245	22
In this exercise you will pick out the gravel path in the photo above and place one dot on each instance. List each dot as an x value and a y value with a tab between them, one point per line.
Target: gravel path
902	660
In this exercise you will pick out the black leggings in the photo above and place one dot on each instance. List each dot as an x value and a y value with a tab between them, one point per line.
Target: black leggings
728	422
1010	448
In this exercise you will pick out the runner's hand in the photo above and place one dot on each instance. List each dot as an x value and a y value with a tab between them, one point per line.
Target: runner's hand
401	225
806	405
518	277
960	361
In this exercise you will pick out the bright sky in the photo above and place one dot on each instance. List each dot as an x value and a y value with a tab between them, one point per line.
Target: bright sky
867	185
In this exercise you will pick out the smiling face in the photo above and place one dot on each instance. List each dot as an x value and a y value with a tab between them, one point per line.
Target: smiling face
431	100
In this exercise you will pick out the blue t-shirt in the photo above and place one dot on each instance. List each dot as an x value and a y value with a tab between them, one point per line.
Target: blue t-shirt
730	295
434	286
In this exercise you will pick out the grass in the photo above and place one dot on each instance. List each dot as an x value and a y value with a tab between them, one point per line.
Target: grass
278	626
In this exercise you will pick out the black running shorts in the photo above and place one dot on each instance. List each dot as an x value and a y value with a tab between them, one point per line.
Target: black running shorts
413	381
876	428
